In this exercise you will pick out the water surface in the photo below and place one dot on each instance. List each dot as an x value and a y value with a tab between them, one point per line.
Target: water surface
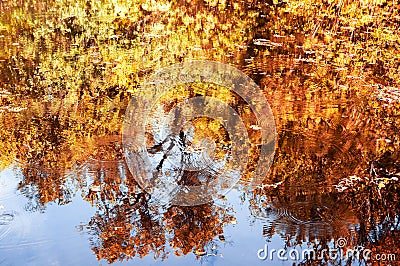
68	70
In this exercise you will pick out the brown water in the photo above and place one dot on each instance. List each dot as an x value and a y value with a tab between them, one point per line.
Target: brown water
68	70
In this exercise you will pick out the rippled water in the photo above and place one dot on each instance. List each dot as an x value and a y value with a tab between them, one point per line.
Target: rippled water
69	69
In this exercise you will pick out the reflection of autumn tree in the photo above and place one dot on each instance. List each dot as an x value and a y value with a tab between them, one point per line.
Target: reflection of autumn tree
193	228
51	140
45	160
132	229
128	225
124	225
126	230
